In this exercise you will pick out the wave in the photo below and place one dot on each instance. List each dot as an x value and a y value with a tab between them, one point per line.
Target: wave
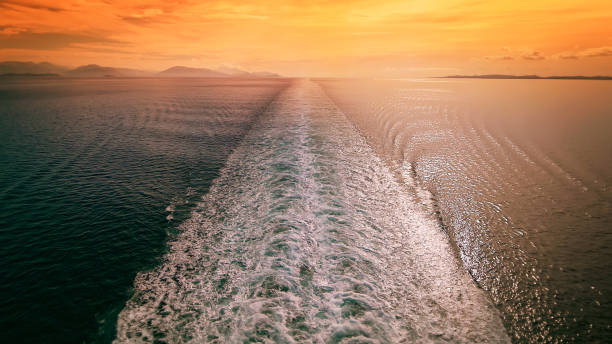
307	236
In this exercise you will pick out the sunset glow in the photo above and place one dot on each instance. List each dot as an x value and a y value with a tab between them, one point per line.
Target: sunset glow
316	38
306	171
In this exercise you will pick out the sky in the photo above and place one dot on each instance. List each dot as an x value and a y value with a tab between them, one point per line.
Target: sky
363	38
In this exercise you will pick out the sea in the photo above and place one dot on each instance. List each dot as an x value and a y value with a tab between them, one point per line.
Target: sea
226	210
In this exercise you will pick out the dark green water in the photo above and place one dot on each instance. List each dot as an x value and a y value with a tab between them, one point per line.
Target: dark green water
94	176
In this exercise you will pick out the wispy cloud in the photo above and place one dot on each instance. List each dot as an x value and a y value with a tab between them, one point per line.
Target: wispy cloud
371	33
147	13
49	40
499	58
147	16
598	52
17	5
10	30
592	52
533	56
340	36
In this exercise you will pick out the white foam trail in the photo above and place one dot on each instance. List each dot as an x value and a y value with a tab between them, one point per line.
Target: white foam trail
308	237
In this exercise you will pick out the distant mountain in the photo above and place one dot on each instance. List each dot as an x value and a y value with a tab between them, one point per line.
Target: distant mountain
30	68
188	72
232	71
265	75
222	72
503	76
96	71
236	72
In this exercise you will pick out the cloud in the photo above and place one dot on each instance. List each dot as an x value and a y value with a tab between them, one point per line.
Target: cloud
567	56
12	4
213	12
147	16
146	13
237	16
49	40
10	30
605	51
499	58
533	56
370	33
591	52
598	52
505	55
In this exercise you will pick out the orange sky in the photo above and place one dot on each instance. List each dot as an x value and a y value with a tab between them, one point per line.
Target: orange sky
316	38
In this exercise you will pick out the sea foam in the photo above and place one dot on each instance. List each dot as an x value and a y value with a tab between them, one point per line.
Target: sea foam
308	236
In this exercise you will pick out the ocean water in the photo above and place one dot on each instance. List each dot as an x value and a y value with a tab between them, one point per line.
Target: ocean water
519	174
95	176
306	236
321	211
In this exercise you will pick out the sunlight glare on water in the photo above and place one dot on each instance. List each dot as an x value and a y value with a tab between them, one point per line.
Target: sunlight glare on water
518	173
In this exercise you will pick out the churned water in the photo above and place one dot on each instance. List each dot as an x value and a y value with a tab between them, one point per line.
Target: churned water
306	236
325	211
519	173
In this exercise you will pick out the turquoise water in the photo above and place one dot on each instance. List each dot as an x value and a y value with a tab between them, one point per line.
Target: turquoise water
94	176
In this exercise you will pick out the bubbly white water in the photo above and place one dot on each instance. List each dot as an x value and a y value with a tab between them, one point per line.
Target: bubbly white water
307	236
